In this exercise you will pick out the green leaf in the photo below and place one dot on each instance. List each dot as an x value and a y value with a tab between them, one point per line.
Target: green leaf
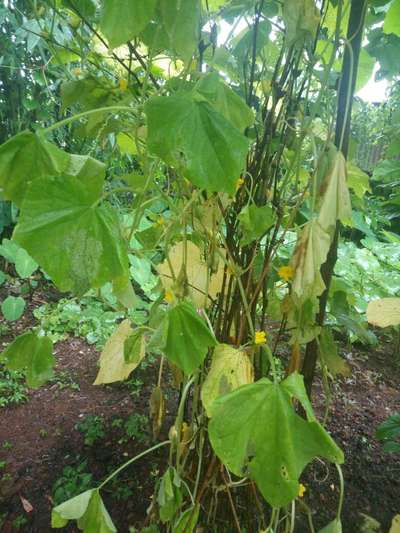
273	453
230	368
134	347
122	20
169	496
392	19
187	522
329	354
365	69
84	246
13	308
255	222
84	8
126	144
9	250
357	180
181	21
389	429
191	135
113	359
31	354
225	100
89	511
24	158
188	337
24	264
333	527
3	277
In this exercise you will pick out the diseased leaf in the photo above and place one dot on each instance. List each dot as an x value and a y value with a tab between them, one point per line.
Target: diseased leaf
310	253
301	19
134	347
13	307
395	527
273	453
157	410
196	273
357	180
335	201
113	365
84	246
188	337
88	510
193	137
384	312
31	354
255	221
122	20
230	368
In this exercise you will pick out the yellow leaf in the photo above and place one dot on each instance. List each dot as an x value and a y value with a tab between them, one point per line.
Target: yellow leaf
395	524
310	253
230	368
384	312
157	410
112	363
335	197
126	144
196	273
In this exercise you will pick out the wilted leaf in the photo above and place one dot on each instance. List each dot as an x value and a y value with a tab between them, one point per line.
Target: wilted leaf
112	359
187	521
310	253
230	368
157	409
384	312
301	19
395	528
335	201
26	504
196	272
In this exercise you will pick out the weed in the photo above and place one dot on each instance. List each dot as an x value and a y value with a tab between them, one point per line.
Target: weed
136	427
64	380
93	428
7	445
19	521
12	387
74	480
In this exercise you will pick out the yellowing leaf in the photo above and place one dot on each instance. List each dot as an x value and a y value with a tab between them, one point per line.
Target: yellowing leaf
335	197
112	362
126	144
384	312
157	410
357	180
196	272
230	368
310	253
395	524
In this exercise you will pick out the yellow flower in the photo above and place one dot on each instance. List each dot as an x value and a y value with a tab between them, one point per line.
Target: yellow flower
260	337
77	71
302	490
160	221
286	272
169	297
123	84
239	183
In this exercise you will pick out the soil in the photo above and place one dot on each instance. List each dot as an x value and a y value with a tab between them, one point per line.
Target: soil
41	439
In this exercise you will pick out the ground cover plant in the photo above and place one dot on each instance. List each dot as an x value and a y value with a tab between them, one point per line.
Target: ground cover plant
196	197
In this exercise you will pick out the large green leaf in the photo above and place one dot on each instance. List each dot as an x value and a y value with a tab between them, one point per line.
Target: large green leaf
83	245
392	19
24	158
181	21
89	511
122	20
255	431
225	100
13	307
33	355
188	337
191	135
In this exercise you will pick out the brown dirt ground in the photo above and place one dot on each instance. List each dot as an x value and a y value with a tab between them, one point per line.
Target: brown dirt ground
44	440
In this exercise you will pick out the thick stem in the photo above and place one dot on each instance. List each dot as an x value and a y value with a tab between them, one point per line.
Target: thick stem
342	136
